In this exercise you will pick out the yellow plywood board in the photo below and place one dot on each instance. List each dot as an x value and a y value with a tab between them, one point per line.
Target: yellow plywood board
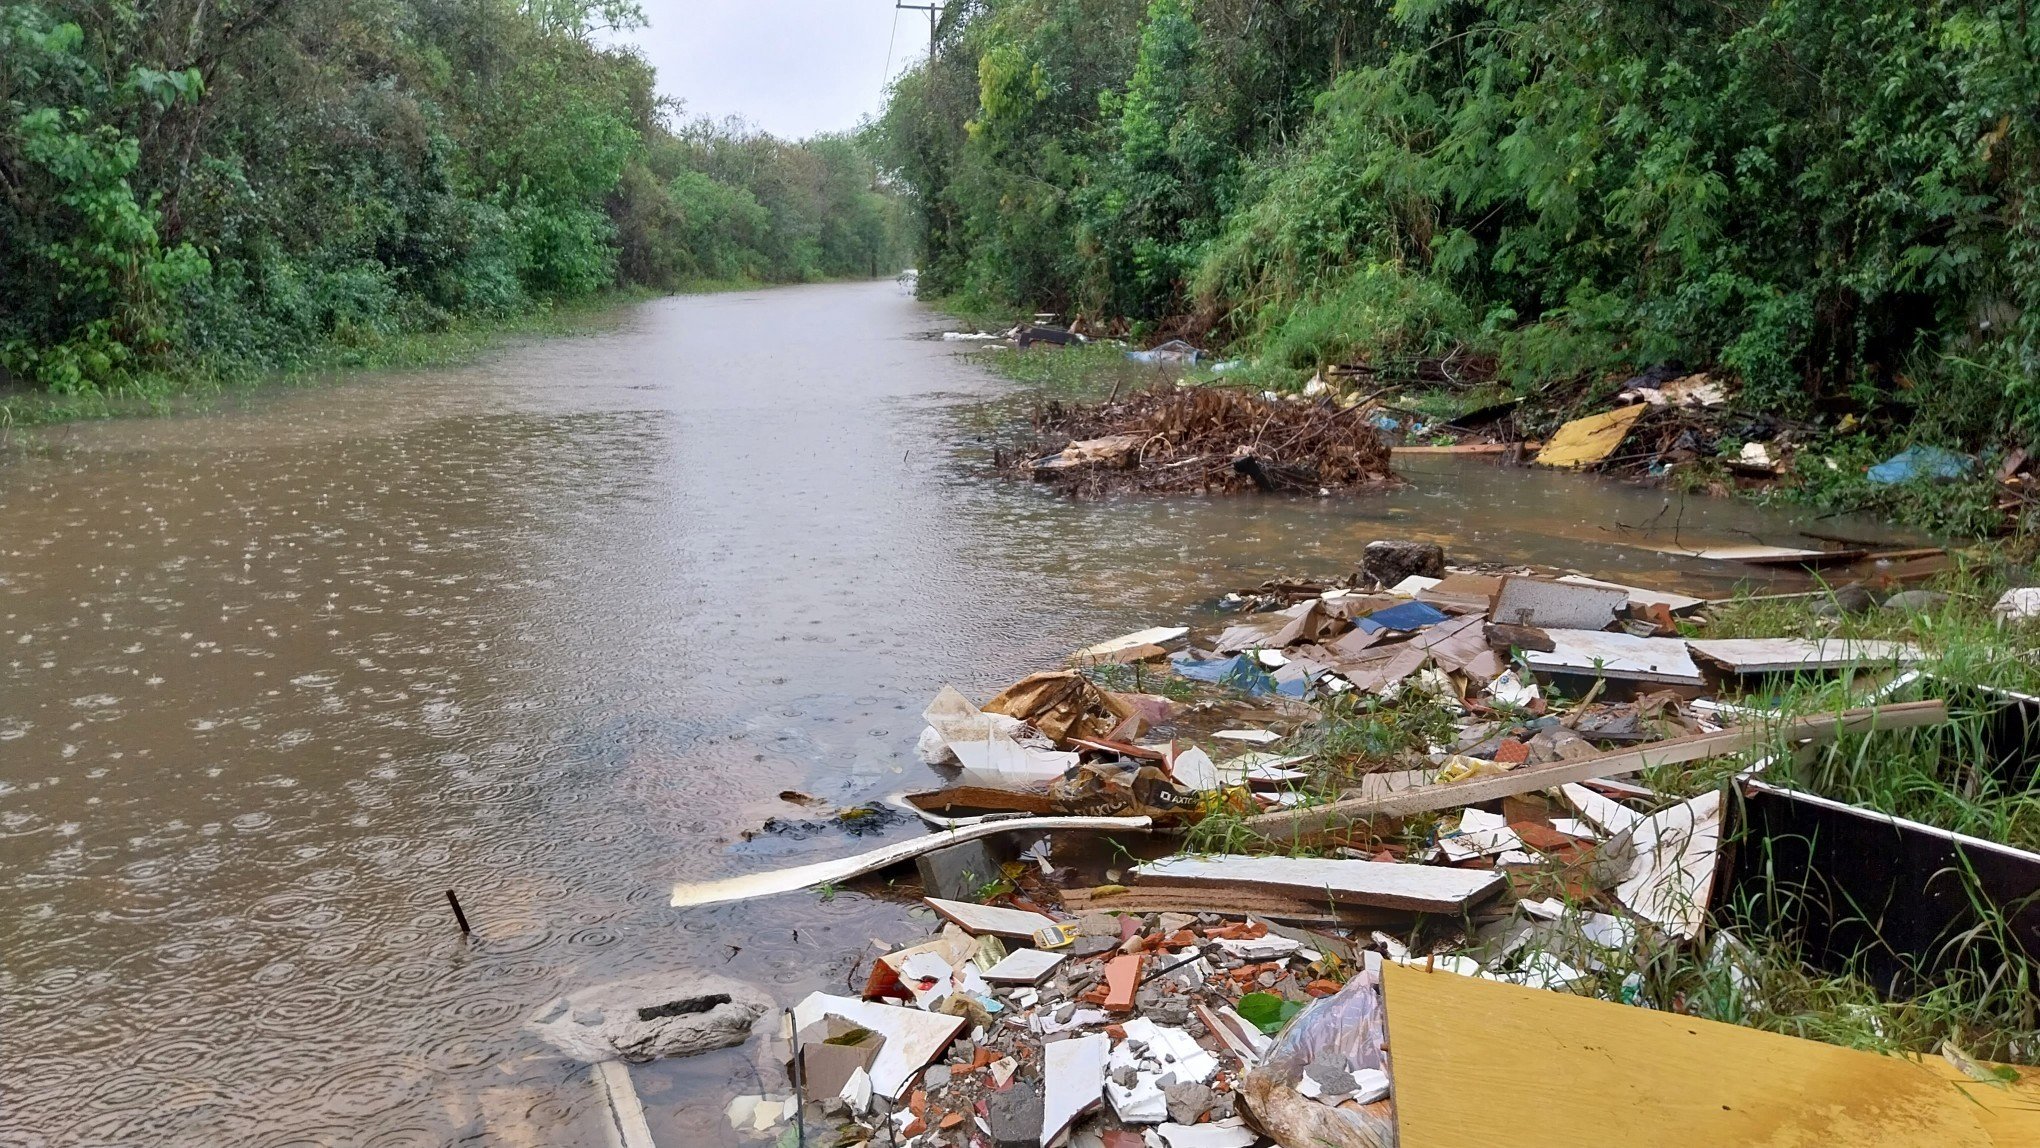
2009	1112
1584	442
1480	1062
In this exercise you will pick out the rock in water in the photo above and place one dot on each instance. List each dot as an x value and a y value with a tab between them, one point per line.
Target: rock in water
643	1018
1390	561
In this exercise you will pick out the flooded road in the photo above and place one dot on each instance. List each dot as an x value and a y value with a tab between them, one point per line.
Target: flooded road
550	630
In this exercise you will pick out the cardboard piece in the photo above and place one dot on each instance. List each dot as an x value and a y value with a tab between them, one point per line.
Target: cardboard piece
912	1037
1588	441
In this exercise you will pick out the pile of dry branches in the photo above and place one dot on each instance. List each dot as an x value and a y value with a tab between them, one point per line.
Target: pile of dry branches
1217	440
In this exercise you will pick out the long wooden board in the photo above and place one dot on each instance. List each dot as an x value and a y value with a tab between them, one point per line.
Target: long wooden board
1231	902
1290	824
842	869
1554	1070
1382	884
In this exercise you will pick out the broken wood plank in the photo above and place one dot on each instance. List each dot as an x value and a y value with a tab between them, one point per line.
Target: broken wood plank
842	869
1641	1076
1290	824
999	921
1382	884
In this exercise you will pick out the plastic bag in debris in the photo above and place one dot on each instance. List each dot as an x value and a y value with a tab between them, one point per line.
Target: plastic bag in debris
1914	462
1346	1026
1343	1032
1173	351
1240	672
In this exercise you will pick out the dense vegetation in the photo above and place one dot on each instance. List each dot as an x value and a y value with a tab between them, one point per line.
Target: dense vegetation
202	187
1829	203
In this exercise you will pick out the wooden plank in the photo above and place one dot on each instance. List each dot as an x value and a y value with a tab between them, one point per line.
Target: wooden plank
1619	656
1761	555
1290	824
1230	902
1383	884
842	869
1772	655
626	1123
1455	448
1594	1072
997	920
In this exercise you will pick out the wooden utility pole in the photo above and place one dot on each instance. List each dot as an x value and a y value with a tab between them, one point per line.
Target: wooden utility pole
933	10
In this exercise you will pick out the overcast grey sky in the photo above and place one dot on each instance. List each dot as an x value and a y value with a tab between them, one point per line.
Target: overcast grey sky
792	67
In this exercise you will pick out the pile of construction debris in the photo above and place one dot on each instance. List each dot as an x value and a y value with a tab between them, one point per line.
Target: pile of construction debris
1261	991
1206	439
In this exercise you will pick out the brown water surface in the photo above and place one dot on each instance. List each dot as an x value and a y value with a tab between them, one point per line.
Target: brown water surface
551	630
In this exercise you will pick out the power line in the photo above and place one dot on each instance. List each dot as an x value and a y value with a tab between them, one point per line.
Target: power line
892	37
933	10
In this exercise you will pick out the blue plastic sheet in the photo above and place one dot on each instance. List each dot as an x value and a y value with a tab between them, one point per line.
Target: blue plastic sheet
1921	461
1239	672
1408	616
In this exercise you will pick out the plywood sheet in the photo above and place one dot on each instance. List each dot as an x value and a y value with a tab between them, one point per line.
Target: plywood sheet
1388	885
1584	442
1772	655
1640	596
1591	1072
1620	656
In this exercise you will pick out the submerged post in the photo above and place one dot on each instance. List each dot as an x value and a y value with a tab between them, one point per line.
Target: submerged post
457	914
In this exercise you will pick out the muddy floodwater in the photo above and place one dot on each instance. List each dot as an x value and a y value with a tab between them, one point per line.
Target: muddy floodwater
551	630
